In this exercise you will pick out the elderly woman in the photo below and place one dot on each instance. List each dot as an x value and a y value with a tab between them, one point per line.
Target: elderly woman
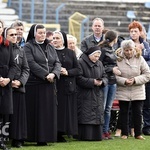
41	98
66	87
90	95
131	86
72	44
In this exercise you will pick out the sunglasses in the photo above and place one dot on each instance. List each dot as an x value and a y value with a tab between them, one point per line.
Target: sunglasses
13	34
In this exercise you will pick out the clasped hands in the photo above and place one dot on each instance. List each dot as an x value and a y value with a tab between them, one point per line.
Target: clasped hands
97	82
4	81
50	77
130	81
64	71
15	84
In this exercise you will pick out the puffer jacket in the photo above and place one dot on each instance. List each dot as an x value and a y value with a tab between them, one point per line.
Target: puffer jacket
134	67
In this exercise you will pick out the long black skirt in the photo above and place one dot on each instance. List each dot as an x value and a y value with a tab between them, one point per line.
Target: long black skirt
18	122
41	104
90	132
67	114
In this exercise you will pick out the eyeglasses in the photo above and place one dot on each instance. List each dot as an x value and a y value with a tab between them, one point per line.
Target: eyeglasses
13	34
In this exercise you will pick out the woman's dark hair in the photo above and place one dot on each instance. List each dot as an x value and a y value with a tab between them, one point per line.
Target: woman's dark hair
5	31
109	37
49	33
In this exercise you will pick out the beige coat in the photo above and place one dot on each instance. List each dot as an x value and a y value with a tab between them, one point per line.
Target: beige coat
135	67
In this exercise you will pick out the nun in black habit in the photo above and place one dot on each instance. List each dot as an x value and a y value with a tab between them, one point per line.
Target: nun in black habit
90	95
41	98
66	86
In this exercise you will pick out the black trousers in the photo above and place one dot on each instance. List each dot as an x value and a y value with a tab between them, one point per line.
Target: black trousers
130	120
136	107
146	107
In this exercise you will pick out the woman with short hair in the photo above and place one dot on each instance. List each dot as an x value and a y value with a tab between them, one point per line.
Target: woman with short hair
135	73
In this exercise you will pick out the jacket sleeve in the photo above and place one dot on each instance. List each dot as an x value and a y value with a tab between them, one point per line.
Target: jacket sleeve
84	46
75	70
148	59
12	65
24	70
85	82
88	82
121	80
144	77
104	77
108	68
146	51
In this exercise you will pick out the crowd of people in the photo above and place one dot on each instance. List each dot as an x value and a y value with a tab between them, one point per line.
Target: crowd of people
49	87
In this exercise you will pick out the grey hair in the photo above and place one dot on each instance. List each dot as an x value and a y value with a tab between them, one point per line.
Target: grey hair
127	44
98	19
17	23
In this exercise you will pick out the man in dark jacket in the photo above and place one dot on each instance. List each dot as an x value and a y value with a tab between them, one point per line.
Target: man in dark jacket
95	37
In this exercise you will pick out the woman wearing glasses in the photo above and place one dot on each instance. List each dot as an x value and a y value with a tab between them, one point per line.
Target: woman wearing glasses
7	72
18	126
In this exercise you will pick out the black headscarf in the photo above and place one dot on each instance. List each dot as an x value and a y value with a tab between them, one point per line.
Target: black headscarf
65	38
31	34
92	50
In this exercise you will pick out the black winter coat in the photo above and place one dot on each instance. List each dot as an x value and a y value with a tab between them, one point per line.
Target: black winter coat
22	68
89	96
7	70
108	58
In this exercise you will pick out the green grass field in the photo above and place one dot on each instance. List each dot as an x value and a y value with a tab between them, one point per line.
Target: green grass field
115	144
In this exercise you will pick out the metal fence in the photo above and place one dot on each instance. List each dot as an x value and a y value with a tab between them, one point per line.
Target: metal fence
78	23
